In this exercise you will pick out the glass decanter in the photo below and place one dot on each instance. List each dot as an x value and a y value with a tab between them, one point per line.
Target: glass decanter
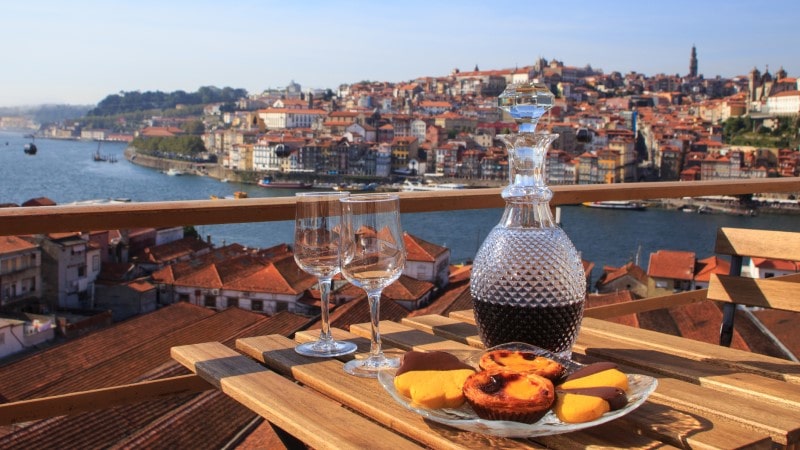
528	283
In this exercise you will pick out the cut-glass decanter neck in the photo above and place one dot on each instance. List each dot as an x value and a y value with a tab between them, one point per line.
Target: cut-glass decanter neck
526	103
526	166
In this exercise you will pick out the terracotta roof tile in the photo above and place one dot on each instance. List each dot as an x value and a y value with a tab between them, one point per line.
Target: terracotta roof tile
10	244
173	250
421	250
45	370
456	298
594	300
676	265
357	311
776	264
209	419
407	288
712	264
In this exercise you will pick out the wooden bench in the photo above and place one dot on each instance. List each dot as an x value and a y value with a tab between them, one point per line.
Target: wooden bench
733	289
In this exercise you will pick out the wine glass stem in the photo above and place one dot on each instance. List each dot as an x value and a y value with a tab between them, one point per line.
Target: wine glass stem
324	297
374	313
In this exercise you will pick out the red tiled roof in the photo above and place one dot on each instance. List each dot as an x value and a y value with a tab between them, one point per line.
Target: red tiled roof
357	311
421	250
206	420
408	289
26	379
712	264
615	273
455	298
173	250
776	264
39	201
594	300
10	244
672	264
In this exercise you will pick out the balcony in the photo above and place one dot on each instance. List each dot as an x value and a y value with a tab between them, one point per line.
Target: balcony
165	385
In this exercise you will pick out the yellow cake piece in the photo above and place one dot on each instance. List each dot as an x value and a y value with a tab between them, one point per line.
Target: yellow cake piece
609	377
433	388
576	408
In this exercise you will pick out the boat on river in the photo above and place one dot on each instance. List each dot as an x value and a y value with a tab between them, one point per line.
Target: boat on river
356	187
173	172
268	182
617	204
30	148
408	186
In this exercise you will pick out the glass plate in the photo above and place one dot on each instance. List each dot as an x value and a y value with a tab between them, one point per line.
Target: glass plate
464	418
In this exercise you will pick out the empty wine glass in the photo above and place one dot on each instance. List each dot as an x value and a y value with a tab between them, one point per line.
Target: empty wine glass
373	257
318	219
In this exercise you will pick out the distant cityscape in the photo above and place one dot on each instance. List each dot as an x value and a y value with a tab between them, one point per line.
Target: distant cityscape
613	128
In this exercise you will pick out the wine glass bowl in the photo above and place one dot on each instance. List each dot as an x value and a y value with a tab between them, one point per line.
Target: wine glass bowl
373	257
318	217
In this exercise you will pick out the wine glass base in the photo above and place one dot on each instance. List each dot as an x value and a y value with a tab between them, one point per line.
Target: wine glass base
326	349
369	367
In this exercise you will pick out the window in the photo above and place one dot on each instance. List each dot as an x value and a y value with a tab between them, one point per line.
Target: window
233	302
281	306
210	301
257	305
95	263
769	274
82	270
183	298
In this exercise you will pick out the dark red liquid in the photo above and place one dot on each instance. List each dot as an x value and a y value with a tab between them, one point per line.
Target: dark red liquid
551	327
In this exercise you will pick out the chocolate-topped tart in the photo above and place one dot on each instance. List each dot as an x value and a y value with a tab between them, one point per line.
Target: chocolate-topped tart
499	394
522	361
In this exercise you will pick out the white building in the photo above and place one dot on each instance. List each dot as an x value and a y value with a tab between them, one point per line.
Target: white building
418	129
282	118
71	264
18	335
786	103
20	270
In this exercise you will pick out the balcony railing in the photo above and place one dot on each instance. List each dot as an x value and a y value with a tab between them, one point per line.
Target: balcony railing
16	221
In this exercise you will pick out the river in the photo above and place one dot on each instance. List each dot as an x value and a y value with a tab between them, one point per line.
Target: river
65	172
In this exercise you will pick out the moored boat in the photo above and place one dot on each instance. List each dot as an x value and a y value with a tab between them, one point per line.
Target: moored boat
617	204
358	187
268	182
408	186
174	172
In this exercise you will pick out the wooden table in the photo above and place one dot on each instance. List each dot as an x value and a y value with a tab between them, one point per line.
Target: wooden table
707	397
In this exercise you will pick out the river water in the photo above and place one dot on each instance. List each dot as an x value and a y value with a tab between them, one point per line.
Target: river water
65	172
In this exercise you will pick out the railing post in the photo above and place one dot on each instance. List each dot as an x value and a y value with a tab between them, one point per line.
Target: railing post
729	308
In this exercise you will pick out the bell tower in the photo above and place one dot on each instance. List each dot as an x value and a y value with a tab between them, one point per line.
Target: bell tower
693	63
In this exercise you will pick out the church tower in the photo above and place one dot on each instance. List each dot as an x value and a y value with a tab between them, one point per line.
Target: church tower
693	63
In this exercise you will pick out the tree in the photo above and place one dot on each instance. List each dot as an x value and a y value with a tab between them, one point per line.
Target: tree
194	127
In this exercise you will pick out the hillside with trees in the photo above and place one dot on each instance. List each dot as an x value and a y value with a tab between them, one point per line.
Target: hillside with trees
135	101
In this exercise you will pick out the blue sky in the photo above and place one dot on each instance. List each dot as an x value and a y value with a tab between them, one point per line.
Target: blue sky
79	51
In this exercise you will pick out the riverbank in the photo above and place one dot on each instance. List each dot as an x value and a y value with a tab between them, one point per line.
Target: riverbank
219	172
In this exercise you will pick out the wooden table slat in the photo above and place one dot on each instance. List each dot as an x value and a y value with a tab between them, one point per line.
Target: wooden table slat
309	416
767	366
777	368
640	355
364	395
